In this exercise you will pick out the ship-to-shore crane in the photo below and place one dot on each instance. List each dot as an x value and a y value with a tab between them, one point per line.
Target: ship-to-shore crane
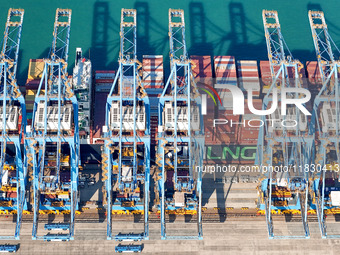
53	139
325	125
180	136
12	124
286	147
126	153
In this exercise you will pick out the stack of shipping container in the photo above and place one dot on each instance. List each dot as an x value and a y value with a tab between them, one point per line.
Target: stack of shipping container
243	74
103	84
153	80
225	73
35	71
153	74
314	77
202	71
248	79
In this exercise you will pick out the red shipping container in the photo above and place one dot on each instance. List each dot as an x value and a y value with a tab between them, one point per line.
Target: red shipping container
201	66
122	195
249	129
99	81
153	71
226	133
247	74
225	66
248	137
247	68
105	71
11	194
50	196
99	110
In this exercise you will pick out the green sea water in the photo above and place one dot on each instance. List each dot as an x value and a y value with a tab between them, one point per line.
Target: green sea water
216	27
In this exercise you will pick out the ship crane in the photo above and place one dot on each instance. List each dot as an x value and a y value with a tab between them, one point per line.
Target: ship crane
12	165
53	139
286	148
126	152
180	135
325	122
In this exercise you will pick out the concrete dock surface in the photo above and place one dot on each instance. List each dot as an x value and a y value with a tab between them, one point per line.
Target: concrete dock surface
231	237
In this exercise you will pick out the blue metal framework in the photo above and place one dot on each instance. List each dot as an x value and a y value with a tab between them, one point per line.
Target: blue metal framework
289	149
12	100
180	145
327	54
126	153
54	147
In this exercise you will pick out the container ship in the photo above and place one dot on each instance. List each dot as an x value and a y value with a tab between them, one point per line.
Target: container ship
139	125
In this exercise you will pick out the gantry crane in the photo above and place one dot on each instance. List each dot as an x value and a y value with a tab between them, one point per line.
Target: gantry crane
126	153
325	123
285	147
180	135
53	139
12	164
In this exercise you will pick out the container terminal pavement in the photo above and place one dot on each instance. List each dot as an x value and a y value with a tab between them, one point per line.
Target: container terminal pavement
145	191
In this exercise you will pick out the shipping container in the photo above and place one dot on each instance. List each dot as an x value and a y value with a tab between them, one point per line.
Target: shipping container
122	195
105	74
50	196
35	68
11	194
226	98
153	74
32	84
99	114
227	131
314	77
313	71
104	80
248	77
225	71
248	130
201	67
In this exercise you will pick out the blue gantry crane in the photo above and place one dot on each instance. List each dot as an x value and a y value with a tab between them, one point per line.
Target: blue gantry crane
12	109
53	138
325	123
284	146
126	153
180	135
